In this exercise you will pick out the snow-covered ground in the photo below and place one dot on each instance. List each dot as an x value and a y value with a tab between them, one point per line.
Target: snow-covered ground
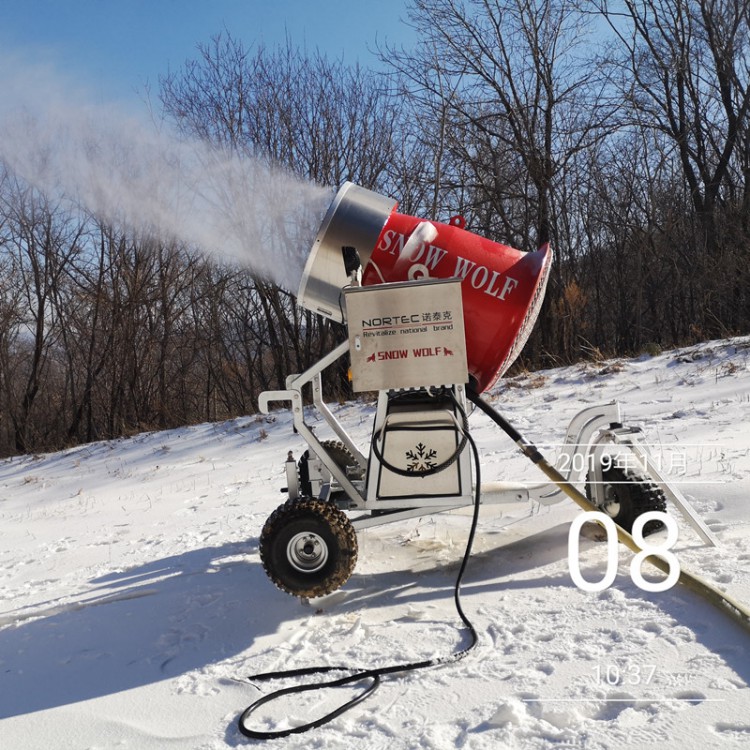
133	605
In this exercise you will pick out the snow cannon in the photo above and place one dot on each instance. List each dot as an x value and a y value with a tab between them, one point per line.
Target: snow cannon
434	315
363	239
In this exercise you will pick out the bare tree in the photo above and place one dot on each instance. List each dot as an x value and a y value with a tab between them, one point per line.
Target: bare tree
321	120
506	74
509	102
683	69
42	241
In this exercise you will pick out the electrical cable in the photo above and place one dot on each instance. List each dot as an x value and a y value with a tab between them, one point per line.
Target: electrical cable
737	611
374	675
429	471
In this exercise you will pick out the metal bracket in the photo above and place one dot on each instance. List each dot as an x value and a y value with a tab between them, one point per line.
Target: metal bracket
687	510
590	433
293	395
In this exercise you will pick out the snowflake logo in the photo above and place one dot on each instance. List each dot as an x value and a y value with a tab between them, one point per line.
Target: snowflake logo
421	459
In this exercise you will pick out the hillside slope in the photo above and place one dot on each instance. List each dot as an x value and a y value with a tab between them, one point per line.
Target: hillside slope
133	605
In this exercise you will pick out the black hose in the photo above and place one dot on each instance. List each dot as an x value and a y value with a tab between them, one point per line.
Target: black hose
374	675
430	471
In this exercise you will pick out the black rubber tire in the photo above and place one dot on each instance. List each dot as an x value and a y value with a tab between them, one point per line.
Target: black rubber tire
308	547
629	495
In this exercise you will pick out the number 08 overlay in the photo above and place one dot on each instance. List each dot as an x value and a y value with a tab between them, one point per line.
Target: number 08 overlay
662	550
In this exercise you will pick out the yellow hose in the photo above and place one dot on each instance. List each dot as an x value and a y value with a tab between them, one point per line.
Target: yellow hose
738	611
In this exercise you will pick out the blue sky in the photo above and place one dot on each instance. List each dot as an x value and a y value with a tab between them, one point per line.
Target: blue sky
115	48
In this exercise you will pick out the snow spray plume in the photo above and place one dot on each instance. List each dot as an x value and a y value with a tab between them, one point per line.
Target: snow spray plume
125	171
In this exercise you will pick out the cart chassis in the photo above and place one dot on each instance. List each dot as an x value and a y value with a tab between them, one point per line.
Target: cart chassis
593	434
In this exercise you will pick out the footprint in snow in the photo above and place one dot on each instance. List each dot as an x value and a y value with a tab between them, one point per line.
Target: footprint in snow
690	697
736	730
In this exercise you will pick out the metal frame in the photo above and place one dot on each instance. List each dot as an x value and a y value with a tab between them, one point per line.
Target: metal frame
591	433
293	395
625	436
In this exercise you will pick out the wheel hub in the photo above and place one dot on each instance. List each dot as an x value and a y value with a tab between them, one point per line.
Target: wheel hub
611	504
307	552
